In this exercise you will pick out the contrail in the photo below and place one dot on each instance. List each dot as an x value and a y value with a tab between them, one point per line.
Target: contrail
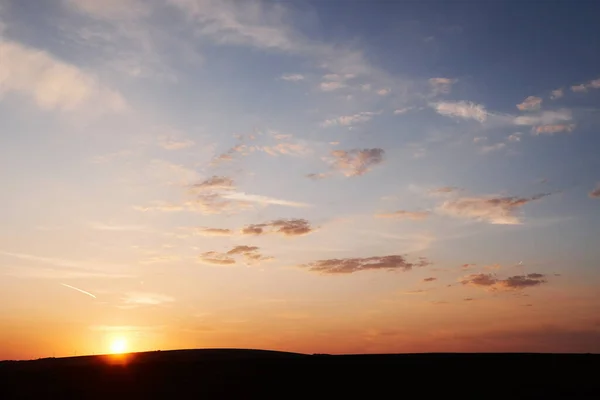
79	290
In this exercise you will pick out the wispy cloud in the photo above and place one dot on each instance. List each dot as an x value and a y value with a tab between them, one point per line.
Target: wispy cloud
552	129
146	299
110	9
402	214
79	290
495	210
595	194
491	282
100	226
349	120
584	87
544	118
444	190
557	94
492	147
52	83
430	279
250	254
356	162
59	268
292	77
441	85
461	109
264	200
351	265
286	227
530	103
316	176
213	232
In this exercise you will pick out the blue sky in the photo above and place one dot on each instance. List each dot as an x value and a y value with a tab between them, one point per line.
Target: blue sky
282	151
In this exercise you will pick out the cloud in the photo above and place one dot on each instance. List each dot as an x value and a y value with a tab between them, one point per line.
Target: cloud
110	9
213	257
331	86
292	77
356	162
349	120
295	149
53	84
552	129
530	103
316	176
402	214
593	84
100	226
351	265
146	299
402	110
557	94
173	142
495	210
242	250
60	268
215	183
492	147
595	194
430	279
250	254
286	227
491	282
124	328
384	92
544	118
264	200
515	137
441	85
444	190
213	232
461	109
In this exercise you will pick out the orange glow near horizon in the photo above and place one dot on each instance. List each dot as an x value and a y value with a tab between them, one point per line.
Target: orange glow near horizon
118	346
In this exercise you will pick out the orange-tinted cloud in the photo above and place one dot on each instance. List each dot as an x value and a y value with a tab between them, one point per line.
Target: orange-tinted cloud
430	279
351	265
213	232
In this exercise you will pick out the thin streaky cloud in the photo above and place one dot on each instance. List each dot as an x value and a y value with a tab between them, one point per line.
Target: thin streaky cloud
265	200
79	290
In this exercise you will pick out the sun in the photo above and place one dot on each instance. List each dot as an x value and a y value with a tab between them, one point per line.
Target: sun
118	346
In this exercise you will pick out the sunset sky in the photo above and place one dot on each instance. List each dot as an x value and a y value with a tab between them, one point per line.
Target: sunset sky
302	175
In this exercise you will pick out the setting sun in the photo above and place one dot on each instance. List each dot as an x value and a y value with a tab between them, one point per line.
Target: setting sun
118	346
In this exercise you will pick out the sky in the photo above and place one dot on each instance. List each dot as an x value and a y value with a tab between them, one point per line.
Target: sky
308	176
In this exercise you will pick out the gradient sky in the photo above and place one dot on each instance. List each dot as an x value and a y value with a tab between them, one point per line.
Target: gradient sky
311	176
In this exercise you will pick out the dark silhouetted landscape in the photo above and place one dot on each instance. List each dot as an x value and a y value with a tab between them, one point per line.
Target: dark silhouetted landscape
237	373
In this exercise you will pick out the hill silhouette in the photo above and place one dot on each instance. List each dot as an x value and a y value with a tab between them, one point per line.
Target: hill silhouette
243	373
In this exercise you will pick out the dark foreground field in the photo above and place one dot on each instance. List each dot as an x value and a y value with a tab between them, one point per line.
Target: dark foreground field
223	373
